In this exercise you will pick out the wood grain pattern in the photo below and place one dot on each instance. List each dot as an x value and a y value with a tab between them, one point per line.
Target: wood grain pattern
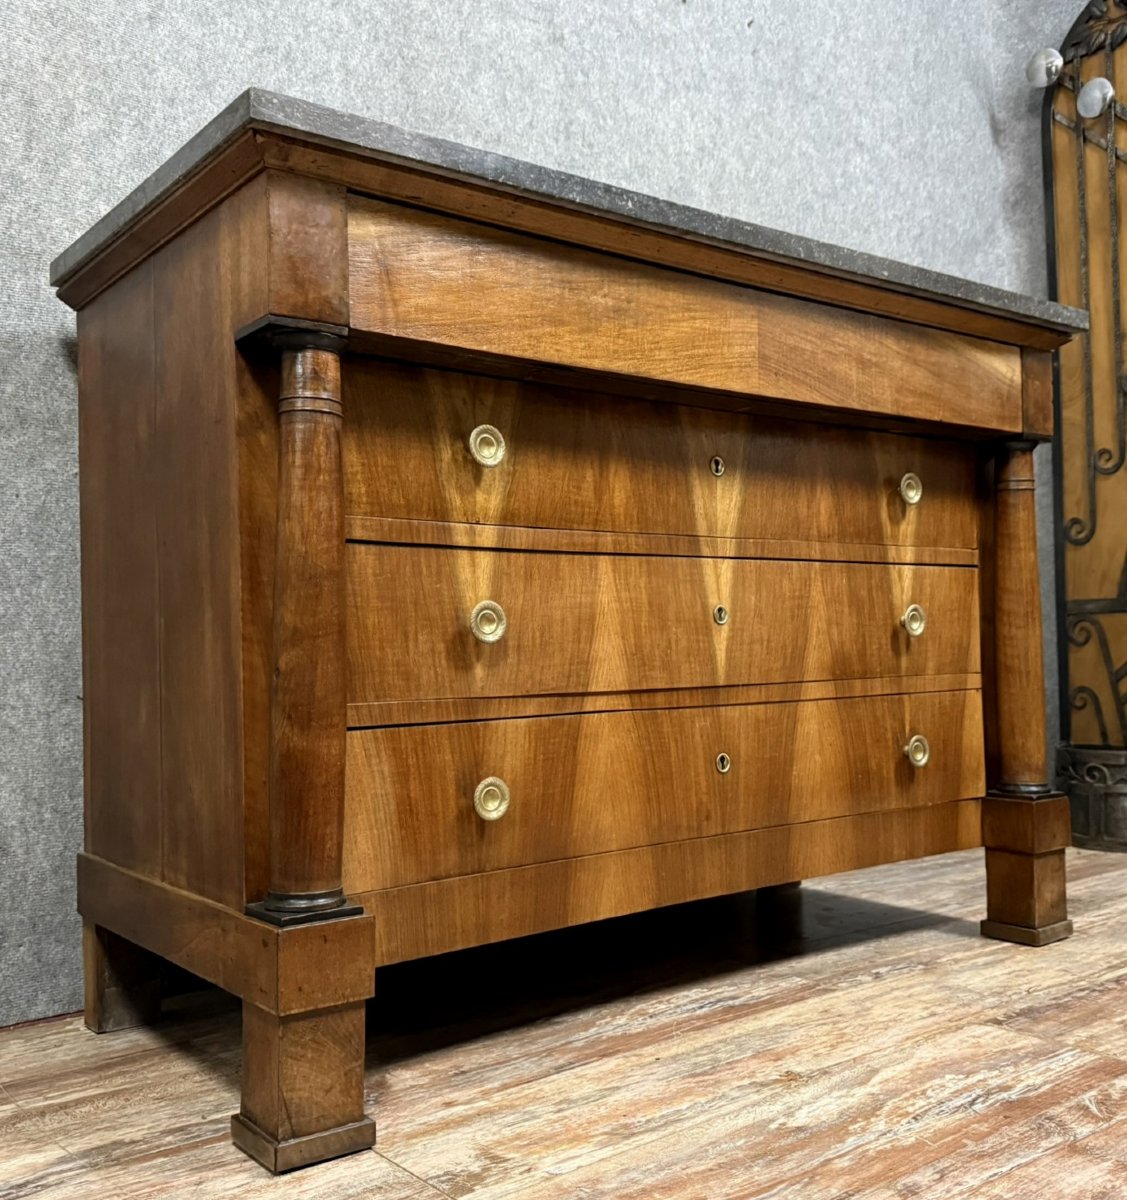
412	184
587	623
122	981
470	910
307	696
308	248
1026	826
687	545
303	1087
185	730
1025	890
286	971
486	708
589	784
118	496
1019	676
1037	393
237	167
514	297
582	461
196	460
258	383
686	1052
258	150
609	536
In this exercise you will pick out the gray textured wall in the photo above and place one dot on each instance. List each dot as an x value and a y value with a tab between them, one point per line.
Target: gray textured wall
904	129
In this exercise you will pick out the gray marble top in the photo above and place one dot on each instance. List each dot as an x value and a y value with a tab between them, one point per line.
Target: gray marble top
268	110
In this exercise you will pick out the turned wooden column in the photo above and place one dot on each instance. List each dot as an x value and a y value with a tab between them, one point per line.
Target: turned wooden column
307	712
1025	823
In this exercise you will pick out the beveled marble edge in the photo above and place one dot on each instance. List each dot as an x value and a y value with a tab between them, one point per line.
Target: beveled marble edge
268	110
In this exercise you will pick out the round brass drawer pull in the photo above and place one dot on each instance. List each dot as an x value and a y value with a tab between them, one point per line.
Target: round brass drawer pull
723	764
911	488
487	445
720	615
491	798
488	621
914	620
917	751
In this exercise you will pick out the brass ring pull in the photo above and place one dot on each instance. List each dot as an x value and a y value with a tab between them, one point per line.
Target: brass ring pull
917	751
911	488
491	798
488	621
914	620
487	445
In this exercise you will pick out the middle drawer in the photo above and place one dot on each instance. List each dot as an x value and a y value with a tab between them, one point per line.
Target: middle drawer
551	623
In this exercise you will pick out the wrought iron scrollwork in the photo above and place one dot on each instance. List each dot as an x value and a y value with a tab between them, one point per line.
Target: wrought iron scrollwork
1101	26
1081	629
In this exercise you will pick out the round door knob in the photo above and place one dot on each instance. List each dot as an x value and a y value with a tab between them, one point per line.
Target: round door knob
917	751
914	620
491	798
911	488
488	621
487	445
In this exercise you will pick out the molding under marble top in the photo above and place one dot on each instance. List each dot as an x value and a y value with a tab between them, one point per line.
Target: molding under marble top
269	111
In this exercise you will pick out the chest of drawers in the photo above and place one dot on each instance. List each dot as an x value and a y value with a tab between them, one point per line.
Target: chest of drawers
470	551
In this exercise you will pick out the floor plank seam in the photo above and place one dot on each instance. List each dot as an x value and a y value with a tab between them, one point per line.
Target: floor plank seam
432	1187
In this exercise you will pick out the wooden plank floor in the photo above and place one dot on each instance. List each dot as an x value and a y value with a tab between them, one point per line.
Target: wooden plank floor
858	1039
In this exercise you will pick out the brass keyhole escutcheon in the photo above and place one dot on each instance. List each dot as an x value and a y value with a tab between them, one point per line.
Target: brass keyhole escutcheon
491	798
720	615
723	763
917	751
911	488
488	621
487	445
717	465
914	620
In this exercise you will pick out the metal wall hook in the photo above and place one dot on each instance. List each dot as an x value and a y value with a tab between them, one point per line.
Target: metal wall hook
1095	98
1044	68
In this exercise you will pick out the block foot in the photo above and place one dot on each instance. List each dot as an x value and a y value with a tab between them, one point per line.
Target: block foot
1024	936
280	1156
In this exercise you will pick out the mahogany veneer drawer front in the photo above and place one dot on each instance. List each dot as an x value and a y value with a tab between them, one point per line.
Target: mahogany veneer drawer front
576	460
470	551
597	623
575	785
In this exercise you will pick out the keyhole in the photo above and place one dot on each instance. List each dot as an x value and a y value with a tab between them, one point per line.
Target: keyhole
720	615
723	764
717	465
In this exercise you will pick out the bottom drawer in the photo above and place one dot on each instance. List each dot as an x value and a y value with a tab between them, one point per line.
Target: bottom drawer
586	784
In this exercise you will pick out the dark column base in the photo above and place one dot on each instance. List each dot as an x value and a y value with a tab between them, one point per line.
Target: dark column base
122	981
328	906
